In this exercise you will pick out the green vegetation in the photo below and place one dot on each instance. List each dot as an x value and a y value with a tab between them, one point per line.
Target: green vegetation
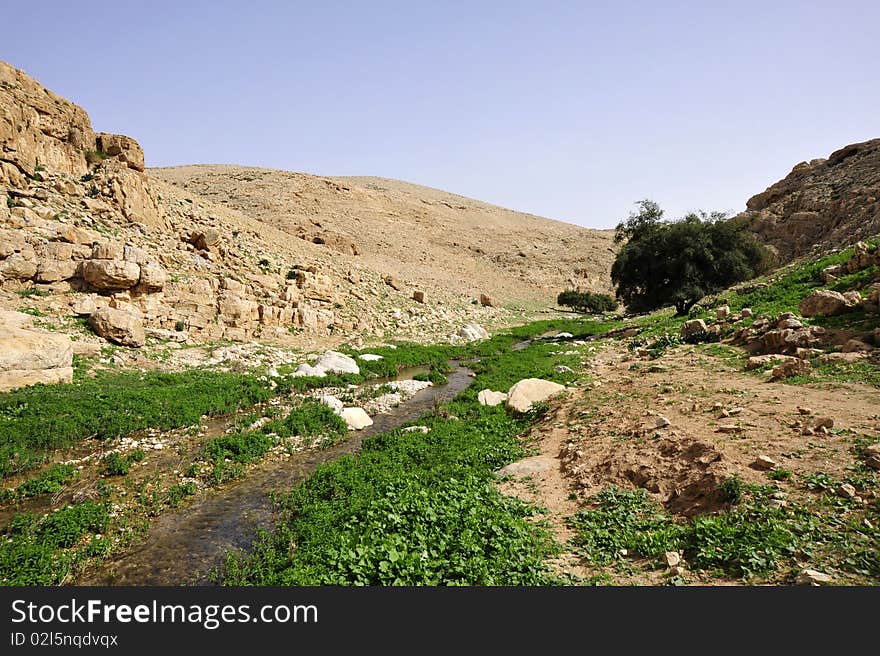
420	509
679	263
586	302
115	464
750	538
50	481
37	550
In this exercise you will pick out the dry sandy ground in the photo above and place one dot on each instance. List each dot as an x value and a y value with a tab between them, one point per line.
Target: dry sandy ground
719	421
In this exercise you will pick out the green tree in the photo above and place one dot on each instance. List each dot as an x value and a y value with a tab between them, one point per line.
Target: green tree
677	263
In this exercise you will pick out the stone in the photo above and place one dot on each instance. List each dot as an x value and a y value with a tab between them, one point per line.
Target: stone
873	461
722	312
74	235
673	558
332	402
661	422
745	313
525	393
562	369
490	398
823	303
393	282
118	326
416	429
856	345
764	463
488	301
152	277
123	148
108	275
729	428
205	240
356	418
334	362
304	370
824	422
693	327
812	577
757	361
28	357
853	299
790	368
18	267
370	357
847	491
529	466
55	270
472	332
854	356
418	296
107	250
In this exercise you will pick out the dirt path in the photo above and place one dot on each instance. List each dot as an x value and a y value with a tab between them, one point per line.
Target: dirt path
679	426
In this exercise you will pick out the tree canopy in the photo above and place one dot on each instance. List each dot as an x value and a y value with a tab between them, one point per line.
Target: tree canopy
677	263
587	302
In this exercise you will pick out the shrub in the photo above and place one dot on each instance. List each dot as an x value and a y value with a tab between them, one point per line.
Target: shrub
586	302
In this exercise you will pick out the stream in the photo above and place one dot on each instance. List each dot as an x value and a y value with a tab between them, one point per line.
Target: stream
181	547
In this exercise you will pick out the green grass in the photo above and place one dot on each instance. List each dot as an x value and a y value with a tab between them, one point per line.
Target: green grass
37	550
50	481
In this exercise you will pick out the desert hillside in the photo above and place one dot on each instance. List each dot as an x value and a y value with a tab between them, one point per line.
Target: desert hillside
425	236
821	204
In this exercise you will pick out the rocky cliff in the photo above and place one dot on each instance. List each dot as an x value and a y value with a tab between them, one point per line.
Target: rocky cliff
821	204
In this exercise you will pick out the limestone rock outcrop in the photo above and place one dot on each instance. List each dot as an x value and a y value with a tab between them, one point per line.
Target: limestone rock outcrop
28	357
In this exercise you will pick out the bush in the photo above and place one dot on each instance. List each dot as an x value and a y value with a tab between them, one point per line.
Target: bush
678	263
586	302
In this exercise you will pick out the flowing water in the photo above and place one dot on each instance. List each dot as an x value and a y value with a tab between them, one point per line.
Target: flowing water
182	547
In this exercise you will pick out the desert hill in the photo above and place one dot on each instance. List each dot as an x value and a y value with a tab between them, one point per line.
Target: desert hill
425	236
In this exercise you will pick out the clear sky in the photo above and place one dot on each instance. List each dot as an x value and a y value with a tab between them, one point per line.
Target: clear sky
571	110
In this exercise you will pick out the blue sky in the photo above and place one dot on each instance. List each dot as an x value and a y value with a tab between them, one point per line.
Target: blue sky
571	110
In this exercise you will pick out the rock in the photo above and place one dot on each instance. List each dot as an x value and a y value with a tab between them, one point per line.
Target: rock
356	418
18	267
873	461
824	422
745	313
74	235
853	299
757	361
118	326
205	240
562	369
125	149
490	398
529	391
370	357
50	271
729	428
28	357
304	370
722	312
473	332
416	429
855	345
804	410
563	336
661	422
86	305
107	250
488	301
673	558
854	356
152	278
789	323
789	368
529	466
109	275
332	402
418	296
848	491
393	282
823	303
334	362
812	577
764	463
872	450
693	327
